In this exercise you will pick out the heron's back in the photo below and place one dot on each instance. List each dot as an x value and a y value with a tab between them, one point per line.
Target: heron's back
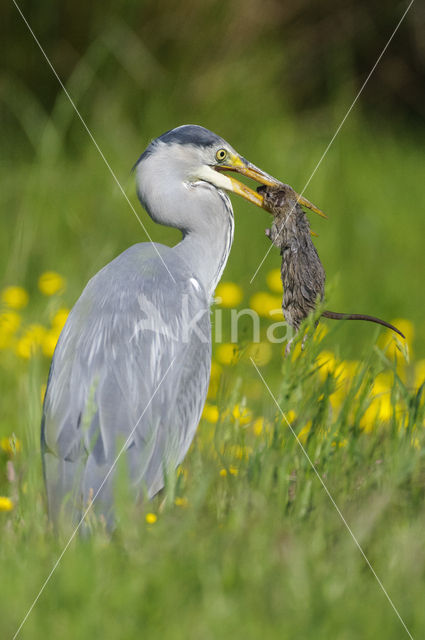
131	369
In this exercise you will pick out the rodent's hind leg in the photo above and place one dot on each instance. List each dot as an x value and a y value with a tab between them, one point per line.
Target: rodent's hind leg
288	346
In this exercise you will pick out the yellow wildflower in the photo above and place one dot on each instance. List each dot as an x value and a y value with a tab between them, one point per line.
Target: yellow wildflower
260	352
340	443
181	502
267	305
258	426
9	322
15	297
6	504
227	353
274	281
303	434
31	340
242	414
327	363
151	518
228	294
290	416
49	342
232	470
379	410
211	413
388	340
10	444
50	283
60	318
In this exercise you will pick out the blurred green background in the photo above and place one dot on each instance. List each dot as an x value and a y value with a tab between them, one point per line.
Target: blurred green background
275	79
252	546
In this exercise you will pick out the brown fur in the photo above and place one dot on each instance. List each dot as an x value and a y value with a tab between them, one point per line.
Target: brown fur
302	273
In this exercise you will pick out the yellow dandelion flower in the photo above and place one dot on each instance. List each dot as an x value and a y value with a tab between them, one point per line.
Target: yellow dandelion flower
181	502
368	419
258	426
261	353
290	416
15	297
340	443
49	342
30	341
386	408
327	363
228	294
388	340
303	434
347	369
241	414
211	413
6	504
151	518
267	305
380	410
226	353
51	282
223	473
59	319
382	383
320	333
274	281
10	444
10	322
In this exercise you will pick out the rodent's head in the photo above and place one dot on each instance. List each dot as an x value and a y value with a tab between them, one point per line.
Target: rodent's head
283	199
278	200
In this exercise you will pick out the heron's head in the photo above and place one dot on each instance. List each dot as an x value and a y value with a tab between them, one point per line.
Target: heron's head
179	161
174	165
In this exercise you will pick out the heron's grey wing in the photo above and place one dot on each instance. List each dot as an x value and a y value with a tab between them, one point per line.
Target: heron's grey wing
131	368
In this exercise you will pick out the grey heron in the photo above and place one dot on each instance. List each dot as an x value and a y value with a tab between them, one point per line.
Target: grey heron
132	363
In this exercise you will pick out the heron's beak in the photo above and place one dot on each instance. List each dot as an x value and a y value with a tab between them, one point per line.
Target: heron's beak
240	165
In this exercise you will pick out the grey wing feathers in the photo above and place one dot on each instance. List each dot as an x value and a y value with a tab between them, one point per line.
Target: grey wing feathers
132	363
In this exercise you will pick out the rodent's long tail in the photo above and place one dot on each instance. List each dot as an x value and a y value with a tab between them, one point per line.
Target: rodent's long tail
333	315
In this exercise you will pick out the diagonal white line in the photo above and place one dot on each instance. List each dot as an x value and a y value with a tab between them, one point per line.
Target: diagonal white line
333	501
111	171
339	127
55	566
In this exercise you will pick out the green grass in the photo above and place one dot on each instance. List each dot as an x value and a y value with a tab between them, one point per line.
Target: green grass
262	552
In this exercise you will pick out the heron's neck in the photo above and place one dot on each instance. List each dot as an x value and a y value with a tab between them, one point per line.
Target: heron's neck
206	249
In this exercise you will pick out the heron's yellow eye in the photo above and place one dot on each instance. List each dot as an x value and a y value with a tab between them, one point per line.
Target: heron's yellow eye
221	155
